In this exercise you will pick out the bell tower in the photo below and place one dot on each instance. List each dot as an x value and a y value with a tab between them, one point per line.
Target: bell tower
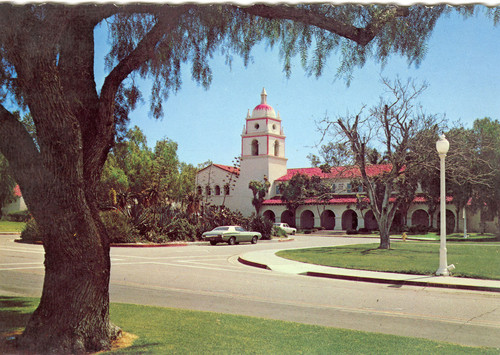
262	150
262	134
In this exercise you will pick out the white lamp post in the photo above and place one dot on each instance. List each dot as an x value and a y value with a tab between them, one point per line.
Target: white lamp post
442	146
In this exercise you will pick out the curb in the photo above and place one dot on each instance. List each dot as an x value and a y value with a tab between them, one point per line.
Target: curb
253	263
381	280
121	245
134	245
401	282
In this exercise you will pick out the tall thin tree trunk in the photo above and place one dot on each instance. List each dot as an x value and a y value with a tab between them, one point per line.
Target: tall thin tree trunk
384	228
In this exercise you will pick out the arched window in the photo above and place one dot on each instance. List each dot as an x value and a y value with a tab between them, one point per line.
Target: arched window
217	190
334	187
208	190
227	190
255	147
199	190
276	148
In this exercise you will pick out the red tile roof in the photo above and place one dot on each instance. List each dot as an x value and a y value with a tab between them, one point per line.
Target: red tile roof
17	191
422	199
337	172
230	169
343	200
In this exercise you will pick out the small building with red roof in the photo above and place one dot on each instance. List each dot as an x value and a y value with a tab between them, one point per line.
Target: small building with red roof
17	205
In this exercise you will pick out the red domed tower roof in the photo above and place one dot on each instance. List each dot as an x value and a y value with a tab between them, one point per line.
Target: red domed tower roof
263	110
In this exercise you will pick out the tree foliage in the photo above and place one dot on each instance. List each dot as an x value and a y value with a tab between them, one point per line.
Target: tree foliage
7	184
148	175
259	191
301	187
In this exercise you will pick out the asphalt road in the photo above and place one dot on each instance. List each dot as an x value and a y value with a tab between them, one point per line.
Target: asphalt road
209	278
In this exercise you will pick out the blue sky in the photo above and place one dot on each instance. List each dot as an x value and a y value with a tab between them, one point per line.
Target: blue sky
462	68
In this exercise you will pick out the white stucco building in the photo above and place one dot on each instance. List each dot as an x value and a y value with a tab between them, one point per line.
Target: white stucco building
263	154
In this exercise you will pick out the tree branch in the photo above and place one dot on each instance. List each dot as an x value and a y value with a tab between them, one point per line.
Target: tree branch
104	129
362	36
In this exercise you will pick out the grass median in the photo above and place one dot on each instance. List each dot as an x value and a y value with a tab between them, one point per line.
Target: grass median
471	259
166	331
8	226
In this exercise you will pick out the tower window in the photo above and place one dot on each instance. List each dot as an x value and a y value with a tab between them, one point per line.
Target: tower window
255	147
256	126
276	148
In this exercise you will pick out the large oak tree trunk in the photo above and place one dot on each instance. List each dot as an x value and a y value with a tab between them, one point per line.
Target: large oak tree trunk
73	315
51	50
59	185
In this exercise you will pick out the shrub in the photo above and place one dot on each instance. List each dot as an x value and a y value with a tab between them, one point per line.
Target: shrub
19	216
261	225
351	231
31	233
419	229
278	232
181	229
118	226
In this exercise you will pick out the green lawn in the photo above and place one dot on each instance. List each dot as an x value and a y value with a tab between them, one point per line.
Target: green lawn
458	237
8	226
476	260
167	331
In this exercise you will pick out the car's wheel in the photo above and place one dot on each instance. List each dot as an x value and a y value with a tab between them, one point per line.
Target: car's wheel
293	232
254	239
231	241
213	242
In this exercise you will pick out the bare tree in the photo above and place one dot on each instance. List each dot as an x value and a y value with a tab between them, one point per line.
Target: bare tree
391	126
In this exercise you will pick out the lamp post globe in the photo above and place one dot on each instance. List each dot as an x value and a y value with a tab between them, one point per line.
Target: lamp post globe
442	147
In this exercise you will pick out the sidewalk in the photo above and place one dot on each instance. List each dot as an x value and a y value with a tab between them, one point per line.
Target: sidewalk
267	259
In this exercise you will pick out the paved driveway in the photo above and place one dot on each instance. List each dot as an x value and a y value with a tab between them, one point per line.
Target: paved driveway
209	278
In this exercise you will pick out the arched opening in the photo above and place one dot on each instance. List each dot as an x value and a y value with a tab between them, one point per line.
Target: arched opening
227	189
255	147
217	190
420	217
349	220
307	220
328	220
370	221
269	215
276	148
450	221
397	222
287	217
199	190
208	190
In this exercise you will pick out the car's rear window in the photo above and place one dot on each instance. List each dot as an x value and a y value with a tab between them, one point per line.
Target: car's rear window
221	229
